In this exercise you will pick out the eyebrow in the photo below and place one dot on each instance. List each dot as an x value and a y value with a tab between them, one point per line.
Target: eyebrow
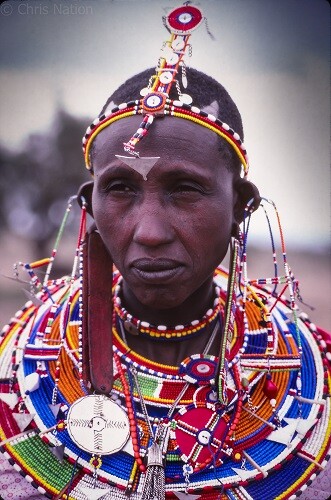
117	168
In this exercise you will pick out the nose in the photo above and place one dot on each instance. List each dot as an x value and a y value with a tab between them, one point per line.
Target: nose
153	227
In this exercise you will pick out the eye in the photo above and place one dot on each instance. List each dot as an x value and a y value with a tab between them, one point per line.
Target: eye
189	190
119	187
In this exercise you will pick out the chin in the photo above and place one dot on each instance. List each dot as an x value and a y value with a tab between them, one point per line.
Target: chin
160	299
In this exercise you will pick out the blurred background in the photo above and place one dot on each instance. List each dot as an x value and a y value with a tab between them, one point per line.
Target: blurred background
59	61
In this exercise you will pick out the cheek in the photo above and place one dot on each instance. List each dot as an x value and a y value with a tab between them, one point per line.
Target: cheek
109	224
206	232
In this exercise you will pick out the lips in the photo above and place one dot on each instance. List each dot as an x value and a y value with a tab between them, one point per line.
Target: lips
157	271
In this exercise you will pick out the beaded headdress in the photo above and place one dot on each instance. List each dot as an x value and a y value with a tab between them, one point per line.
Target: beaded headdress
154	100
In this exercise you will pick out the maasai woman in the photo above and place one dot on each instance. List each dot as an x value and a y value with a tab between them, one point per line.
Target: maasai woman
165	376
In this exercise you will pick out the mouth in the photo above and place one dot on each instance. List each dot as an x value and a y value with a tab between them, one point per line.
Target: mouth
156	271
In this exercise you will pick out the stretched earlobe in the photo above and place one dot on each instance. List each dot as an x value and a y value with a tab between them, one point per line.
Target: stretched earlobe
85	193
247	195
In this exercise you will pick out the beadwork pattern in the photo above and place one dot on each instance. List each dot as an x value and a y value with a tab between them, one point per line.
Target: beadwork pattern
155	99
257	441
162	332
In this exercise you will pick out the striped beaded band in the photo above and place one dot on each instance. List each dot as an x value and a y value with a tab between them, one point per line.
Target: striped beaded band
172	108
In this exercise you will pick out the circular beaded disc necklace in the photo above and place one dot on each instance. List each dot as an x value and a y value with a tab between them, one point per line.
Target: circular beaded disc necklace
208	448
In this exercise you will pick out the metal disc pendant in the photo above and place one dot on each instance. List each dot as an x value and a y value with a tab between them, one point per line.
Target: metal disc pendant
166	77
131	328
98	425
185	98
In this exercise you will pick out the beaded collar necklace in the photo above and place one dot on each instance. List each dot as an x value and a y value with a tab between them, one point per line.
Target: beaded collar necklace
257	442
135	326
155	101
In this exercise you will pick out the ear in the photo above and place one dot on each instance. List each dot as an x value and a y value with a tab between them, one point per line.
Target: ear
85	192
247	196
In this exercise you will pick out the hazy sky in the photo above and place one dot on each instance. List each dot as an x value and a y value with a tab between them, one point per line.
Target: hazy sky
272	56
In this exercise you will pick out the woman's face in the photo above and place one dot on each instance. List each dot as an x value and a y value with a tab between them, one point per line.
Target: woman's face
166	234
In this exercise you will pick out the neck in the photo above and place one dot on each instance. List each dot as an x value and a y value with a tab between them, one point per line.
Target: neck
194	307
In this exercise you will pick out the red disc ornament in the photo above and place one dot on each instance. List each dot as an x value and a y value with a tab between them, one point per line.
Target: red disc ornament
184	19
200	433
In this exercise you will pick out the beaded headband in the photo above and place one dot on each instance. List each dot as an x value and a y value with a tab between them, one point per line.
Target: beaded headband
155	101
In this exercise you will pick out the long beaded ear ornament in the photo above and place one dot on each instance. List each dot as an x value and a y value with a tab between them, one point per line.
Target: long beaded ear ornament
270	362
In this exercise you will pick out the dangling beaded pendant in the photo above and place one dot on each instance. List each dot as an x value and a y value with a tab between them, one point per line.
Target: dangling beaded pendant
270	389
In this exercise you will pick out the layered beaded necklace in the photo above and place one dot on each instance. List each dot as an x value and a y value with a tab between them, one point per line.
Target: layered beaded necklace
201	441
161	332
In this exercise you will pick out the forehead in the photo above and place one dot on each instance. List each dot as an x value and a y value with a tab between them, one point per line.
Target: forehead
171	138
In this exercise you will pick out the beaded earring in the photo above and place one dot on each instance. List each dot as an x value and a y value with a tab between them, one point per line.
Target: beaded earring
269	362
229	318
96	340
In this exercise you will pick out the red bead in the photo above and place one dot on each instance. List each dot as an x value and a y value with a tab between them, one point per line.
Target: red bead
270	389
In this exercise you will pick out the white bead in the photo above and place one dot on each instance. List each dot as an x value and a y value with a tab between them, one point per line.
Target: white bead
144	324
236	136
194	109
195	322
32	382
122	106
299	384
212	118
185	98
144	91
162	328
179	327
225	126
178	104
